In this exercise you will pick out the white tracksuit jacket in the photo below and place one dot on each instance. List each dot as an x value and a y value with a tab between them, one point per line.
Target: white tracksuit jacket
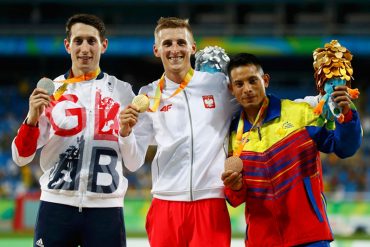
191	132
80	156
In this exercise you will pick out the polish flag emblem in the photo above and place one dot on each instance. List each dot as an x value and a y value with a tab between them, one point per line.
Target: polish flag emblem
209	101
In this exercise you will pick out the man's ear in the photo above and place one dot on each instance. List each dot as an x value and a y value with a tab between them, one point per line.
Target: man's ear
193	48
266	80
67	46
155	51
104	46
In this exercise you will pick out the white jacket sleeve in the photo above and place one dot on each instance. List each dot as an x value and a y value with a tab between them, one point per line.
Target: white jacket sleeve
134	147
312	100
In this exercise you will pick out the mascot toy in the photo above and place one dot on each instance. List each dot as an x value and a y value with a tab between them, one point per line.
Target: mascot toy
332	65
211	59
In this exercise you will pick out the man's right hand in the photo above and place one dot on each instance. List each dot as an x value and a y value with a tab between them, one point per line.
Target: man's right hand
39	99
127	119
342	98
232	179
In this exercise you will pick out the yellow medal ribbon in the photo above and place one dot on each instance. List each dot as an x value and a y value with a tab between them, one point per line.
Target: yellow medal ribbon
240	130
158	92
71	79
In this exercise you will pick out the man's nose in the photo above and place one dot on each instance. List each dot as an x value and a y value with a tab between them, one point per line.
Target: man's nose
85	46
174	47
247	87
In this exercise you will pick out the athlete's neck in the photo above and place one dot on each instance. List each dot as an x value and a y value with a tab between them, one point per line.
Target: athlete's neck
78	72
251	113
177	77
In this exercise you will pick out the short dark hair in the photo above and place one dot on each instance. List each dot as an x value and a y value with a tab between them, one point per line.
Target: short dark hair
87	19
242	59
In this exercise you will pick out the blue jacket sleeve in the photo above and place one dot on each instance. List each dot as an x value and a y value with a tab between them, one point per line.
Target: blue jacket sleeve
344	141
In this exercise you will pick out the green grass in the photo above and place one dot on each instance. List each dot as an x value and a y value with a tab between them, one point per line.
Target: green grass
17	235
16	242
360	236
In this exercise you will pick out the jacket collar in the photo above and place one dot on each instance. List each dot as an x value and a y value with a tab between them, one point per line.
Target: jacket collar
99	77
273	111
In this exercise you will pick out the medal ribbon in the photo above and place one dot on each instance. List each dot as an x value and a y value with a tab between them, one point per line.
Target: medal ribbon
240	130
72	79
158	92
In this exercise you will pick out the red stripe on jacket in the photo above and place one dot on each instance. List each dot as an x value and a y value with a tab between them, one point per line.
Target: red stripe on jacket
26	140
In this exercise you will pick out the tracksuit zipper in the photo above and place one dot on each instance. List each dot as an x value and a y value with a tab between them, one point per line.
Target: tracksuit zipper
83	173
191	148
159	153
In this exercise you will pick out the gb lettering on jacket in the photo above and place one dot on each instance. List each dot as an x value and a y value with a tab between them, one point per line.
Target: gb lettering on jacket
69	118
73	119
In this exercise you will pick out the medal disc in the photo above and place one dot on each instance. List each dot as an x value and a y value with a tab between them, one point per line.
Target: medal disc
234	163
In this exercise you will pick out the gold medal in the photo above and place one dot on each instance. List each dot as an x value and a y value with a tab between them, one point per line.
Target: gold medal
141	101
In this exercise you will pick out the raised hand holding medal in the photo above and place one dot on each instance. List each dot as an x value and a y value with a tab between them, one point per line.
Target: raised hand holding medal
128	117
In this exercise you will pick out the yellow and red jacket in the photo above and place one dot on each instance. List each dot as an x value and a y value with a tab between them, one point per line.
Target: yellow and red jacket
282	175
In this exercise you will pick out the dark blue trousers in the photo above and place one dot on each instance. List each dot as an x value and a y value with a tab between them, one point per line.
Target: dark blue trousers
60	225
323	243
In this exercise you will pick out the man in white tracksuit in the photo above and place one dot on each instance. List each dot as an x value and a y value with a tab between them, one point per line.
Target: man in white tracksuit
77	128
189	123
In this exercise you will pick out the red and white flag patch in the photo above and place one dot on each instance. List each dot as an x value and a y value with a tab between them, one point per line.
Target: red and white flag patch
209	101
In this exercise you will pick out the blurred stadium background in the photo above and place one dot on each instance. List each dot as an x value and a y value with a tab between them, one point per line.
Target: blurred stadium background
282	33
